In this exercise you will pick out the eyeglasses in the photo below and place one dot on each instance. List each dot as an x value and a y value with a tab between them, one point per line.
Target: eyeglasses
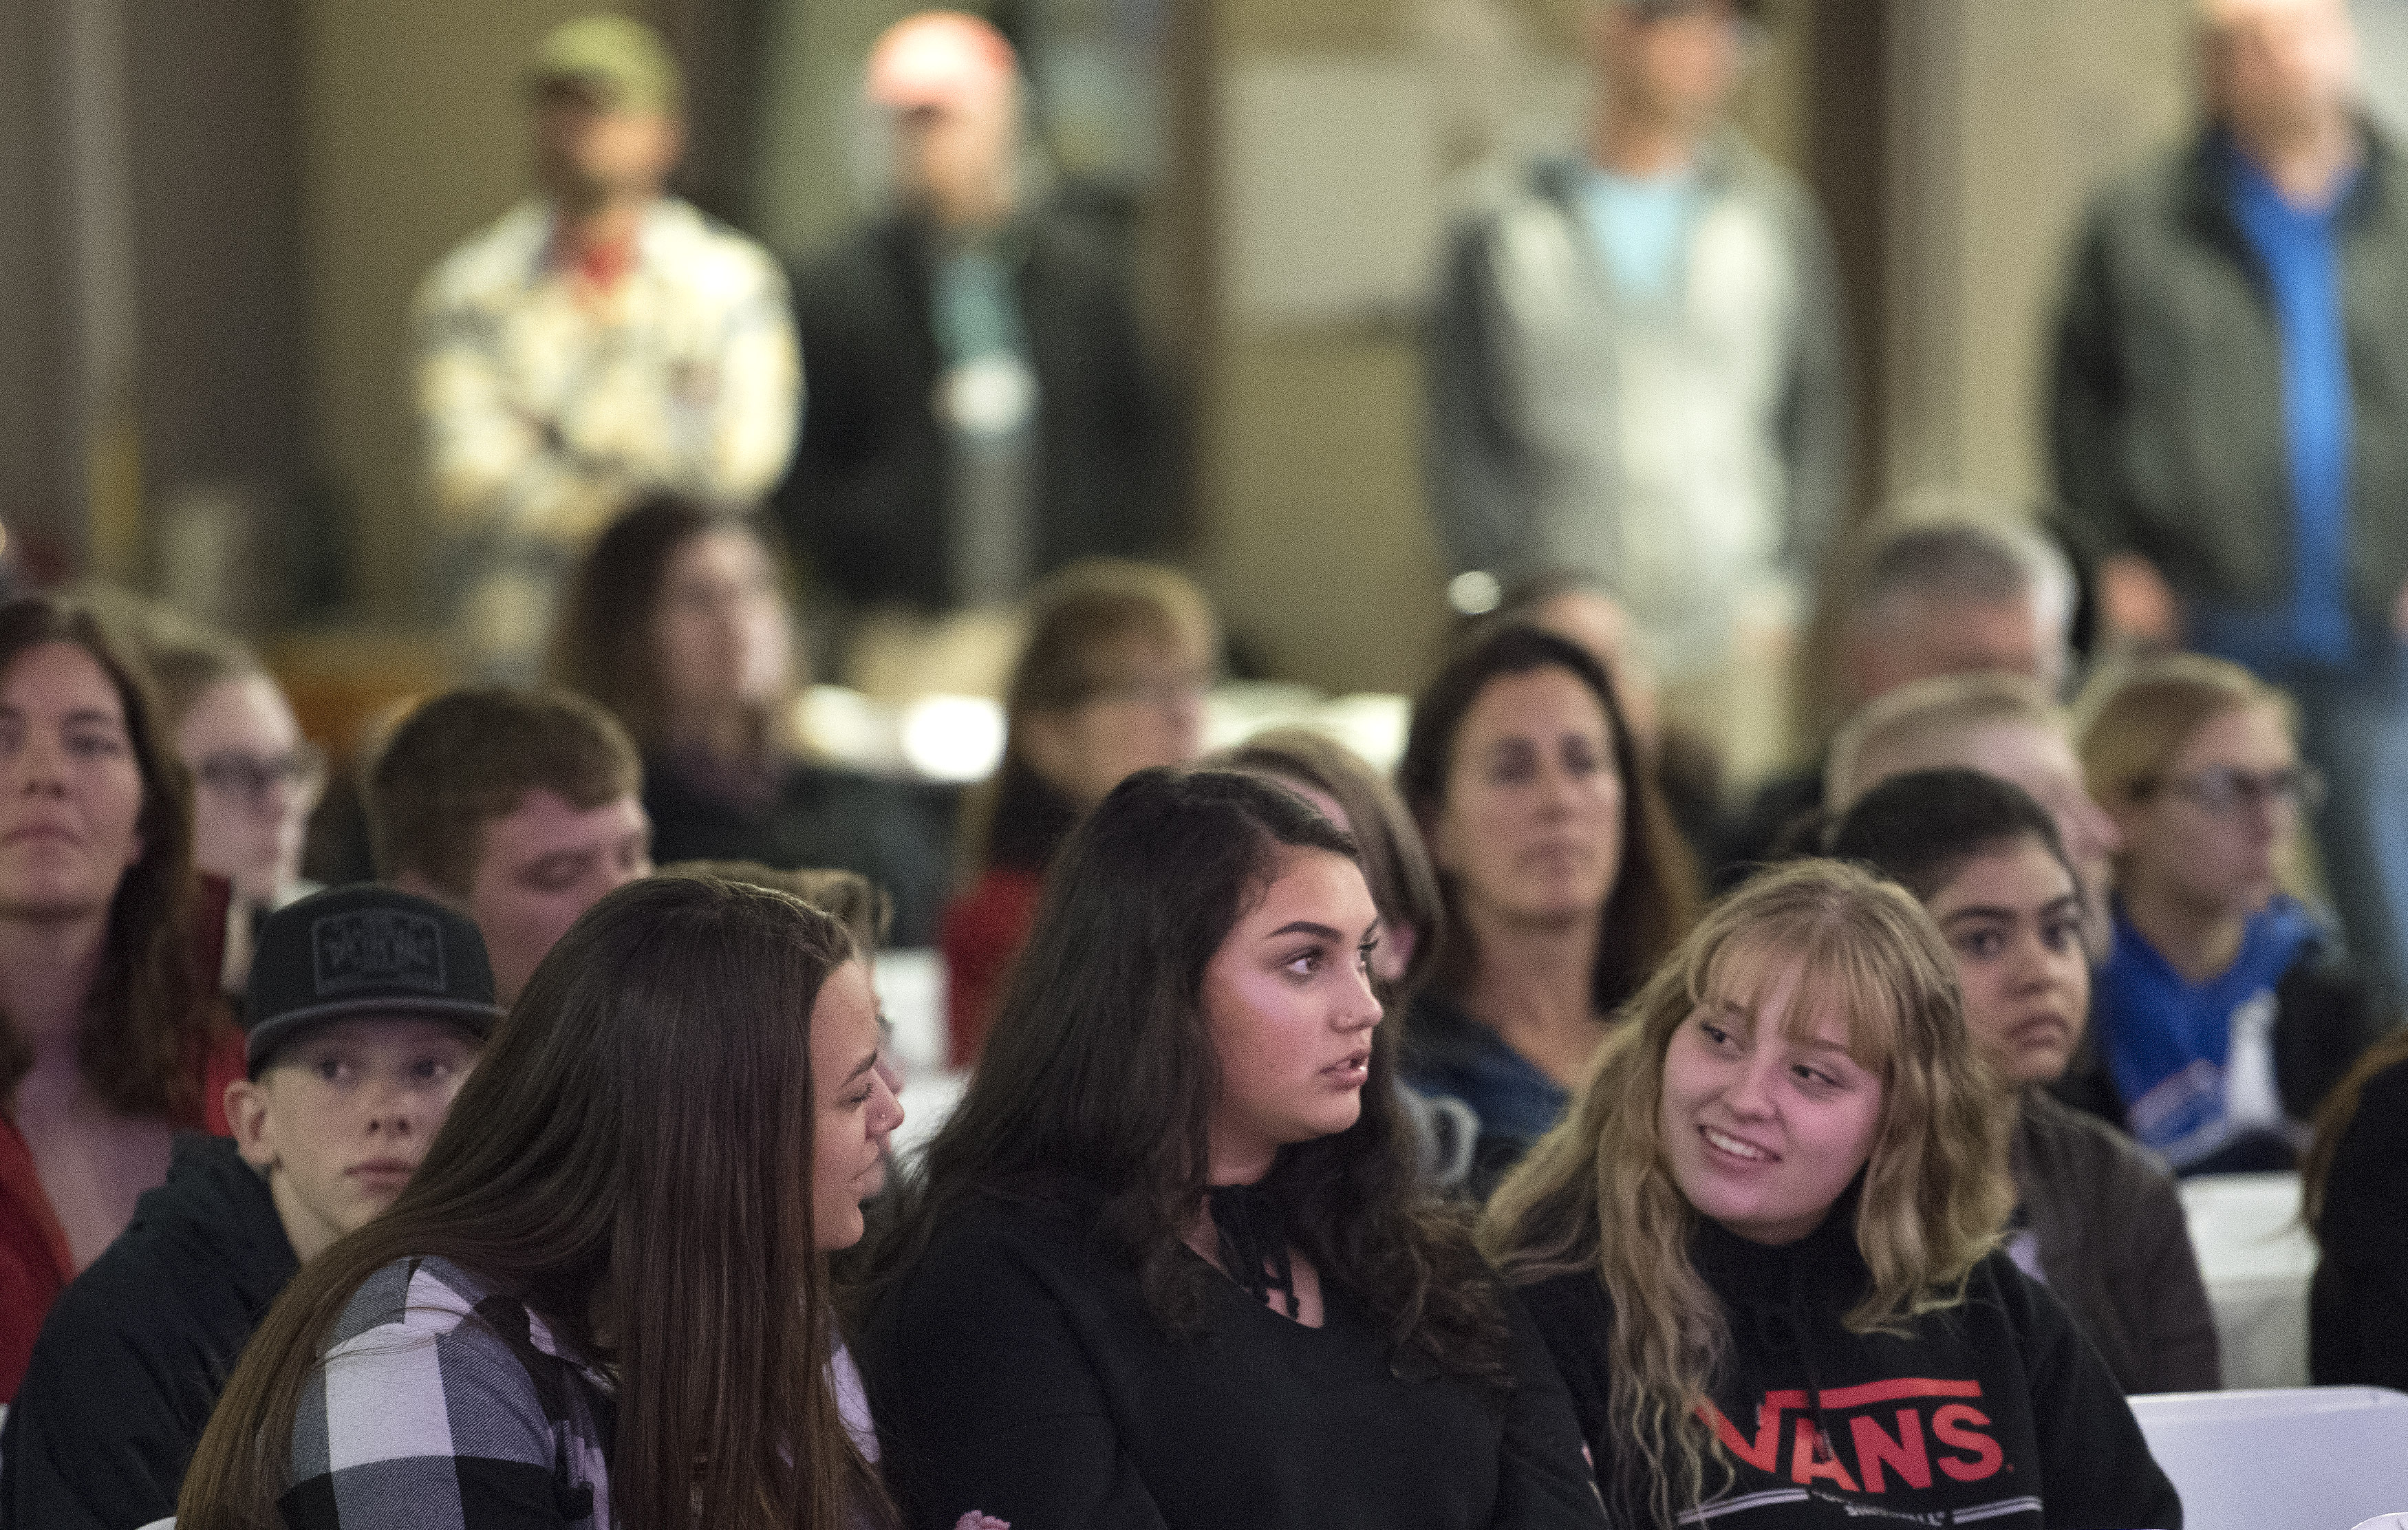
248	777
2224	790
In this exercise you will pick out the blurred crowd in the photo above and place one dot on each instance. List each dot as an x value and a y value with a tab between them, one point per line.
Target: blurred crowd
2127	751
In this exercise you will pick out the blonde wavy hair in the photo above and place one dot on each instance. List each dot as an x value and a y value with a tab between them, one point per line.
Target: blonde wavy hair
1596	1192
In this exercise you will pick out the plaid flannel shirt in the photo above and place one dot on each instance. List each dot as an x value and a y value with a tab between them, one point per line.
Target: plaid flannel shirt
544	414
441	1407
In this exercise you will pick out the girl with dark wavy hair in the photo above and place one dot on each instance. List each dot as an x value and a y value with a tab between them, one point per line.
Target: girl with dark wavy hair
1165	1266
602	1299
109	1037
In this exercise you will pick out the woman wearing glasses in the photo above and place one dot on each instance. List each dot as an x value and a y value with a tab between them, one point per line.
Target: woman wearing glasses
255	779
2226	1012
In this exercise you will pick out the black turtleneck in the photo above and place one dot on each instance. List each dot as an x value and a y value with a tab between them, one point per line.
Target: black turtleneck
135	1353
1016	1369
1993	1411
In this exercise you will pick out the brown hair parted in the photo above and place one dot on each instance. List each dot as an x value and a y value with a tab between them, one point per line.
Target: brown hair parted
1597	1195
146	1018
604	644
1654	896
1396	864
1092	626
472	755
1101	1071
632	1160
855	902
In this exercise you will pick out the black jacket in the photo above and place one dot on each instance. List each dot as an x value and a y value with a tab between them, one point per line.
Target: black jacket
866	501
897	833
1993	1410
2115	1246
2166	414
2357	1305
133	1356
1015	1369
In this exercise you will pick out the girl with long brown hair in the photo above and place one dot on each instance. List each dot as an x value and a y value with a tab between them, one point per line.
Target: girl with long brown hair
602	1299
1763	1245
1564	880
109	1037
1167	1264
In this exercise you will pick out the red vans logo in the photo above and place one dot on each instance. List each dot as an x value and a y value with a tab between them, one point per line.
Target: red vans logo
1903	1444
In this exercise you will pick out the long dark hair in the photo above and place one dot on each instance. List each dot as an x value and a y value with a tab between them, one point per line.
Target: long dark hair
1654	896
1101	1071
602	645
638	1132
147	1019
1920	829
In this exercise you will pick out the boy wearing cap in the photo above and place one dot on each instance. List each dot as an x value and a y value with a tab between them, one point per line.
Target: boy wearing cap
367	1009
601	341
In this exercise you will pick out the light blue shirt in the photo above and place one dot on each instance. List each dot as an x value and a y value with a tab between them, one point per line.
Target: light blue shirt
1641	225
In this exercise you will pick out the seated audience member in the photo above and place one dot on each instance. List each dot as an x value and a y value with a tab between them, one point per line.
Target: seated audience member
1575	606
852	899
2354	1199
1918	593
2228	1011
366	1012
1404	888
2096	1219
602	1299
517	808
1563	880
255	779
110	1039
1111	678
677	620
1166	1263
1763	1246
2002	725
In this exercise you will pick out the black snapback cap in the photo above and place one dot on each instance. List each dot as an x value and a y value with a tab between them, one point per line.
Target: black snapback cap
365	949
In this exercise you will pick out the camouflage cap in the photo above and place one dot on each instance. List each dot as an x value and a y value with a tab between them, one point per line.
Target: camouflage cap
623	61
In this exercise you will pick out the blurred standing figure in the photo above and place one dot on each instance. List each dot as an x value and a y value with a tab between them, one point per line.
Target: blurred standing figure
1637	371
601	341
983	411
2229	434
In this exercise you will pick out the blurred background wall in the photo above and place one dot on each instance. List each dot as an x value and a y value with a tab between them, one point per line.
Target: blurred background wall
225	208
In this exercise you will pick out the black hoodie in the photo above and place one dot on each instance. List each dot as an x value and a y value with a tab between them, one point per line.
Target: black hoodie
132	1358
1995	1412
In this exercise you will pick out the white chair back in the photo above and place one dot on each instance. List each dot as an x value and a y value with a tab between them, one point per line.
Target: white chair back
2294	1458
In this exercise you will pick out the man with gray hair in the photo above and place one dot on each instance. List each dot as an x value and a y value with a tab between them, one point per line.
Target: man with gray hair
1637	371
1924	590
2229	430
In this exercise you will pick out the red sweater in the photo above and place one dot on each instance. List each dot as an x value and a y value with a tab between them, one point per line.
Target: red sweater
980	936
36	1264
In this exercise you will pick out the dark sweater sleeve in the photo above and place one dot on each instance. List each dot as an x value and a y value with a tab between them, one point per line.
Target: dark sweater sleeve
986	1400
94	1440
1543	1477
2095	1470
2357	1312
1571	1318
2175	1327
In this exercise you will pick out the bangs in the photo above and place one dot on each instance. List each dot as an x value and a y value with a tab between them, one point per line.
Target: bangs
1839	973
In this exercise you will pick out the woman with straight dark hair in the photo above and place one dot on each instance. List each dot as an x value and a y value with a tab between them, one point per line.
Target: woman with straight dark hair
678	622
110	1040
1165	1266
1564	880
602	1298
1763	1247
2095	1217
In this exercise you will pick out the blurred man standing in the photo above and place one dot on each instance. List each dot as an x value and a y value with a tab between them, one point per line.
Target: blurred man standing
982	413
600	341
1637	372
2230	424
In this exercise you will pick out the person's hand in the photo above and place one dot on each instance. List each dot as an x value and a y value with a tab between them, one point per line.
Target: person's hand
2136	602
